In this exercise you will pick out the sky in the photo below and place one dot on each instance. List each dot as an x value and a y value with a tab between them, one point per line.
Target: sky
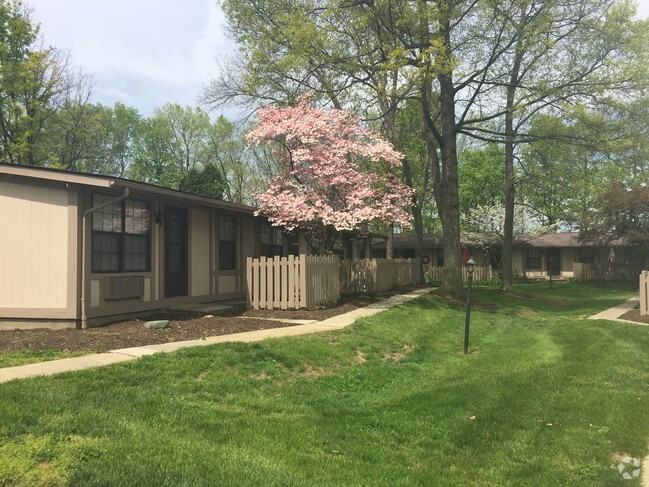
145	53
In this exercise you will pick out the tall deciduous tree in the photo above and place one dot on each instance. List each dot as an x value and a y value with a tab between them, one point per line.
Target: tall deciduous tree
588	37
479	68
77	136
32	82
572	159
328	182
205	181
171	143
124	131
621	213
481	174
227	149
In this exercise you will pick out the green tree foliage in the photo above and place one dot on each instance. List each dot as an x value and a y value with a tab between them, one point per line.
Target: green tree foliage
47	119
32	81
77	136
476	68
124	131
244	169
179	143
481	174
573	159
152	161
207	181
621	213
171	143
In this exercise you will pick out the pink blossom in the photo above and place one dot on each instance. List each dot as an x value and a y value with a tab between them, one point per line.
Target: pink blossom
336	172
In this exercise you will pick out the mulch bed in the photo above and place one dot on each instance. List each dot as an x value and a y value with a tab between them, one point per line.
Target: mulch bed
133	334
634	315
129	334
346	304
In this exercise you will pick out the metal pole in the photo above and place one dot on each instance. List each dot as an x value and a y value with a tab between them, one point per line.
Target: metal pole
468	313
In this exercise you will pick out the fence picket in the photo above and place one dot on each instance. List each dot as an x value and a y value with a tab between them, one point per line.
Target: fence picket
310	281
607	272
302	280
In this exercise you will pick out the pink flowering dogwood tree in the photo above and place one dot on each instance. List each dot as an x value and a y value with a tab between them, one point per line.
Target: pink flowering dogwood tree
336	175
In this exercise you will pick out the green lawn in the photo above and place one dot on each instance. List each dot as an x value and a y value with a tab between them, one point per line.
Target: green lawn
389	401
12	358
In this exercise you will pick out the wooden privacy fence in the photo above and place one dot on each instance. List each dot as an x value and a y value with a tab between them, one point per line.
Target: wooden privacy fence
480	273
644	293
377	275
311	281
605	272
292	282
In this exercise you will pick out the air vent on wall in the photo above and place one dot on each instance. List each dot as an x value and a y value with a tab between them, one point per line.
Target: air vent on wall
124	287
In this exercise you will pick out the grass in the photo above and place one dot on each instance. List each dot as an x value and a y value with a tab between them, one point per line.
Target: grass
545	398
11	358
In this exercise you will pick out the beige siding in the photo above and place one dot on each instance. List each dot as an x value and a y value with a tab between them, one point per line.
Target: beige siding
567	259
517	261
34	262
227	284
200	253
247	238
248	249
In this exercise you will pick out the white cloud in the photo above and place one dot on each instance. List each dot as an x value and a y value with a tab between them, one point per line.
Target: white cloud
140	52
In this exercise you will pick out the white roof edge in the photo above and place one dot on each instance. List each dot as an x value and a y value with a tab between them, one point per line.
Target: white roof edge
171	193
100	181
65	177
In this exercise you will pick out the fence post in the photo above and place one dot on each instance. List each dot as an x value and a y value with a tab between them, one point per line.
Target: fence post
644	293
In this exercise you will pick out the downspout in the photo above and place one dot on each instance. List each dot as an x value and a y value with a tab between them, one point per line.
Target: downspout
84	310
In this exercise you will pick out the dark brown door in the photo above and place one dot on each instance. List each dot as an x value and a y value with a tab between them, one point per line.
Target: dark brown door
554	262
175	252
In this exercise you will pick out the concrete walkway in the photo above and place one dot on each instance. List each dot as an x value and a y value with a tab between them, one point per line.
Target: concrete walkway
614	313
125	354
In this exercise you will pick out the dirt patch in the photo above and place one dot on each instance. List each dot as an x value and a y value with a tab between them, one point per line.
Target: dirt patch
398	356
360	357
634	315
133	334
525	313
311	373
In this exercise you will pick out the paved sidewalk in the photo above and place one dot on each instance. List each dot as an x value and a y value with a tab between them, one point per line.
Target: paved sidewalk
126	354
614	313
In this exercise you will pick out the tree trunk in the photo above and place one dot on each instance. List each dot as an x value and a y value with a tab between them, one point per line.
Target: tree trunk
418	223
389	243
508	240
452	284
510	133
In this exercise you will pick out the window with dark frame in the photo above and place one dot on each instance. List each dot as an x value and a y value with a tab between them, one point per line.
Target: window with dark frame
227	242
586	255
272	241
533	259
293	244
440	257
121	235
408	254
